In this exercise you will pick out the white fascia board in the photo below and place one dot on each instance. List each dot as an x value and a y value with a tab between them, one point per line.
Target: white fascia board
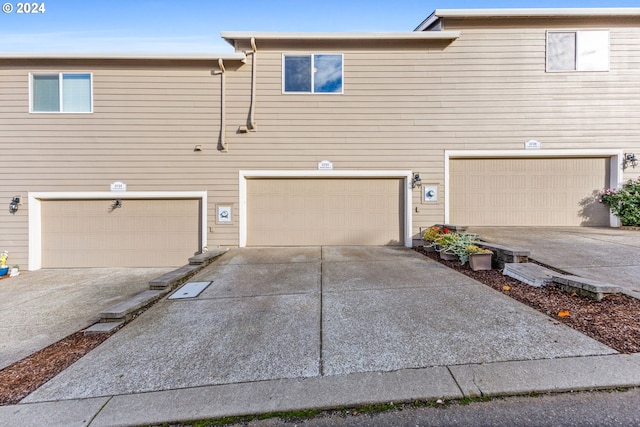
230	36
533	12
108	195
128	56
525	12
358	173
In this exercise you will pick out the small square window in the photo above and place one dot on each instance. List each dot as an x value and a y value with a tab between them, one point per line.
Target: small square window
320	73
578	51
61	93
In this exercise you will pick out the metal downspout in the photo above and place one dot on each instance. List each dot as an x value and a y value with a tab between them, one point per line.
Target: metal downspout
251	125
222	138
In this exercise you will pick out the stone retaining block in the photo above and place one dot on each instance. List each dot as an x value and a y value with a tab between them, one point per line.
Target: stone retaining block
529	273
504	255
585	287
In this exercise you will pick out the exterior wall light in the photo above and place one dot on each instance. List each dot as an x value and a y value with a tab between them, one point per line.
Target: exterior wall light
630	159
115	205
13	205
416	181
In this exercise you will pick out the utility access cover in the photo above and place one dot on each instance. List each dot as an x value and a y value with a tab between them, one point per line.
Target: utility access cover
189	290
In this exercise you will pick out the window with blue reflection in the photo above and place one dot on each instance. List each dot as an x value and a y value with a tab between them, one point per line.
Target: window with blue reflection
320	73
327	73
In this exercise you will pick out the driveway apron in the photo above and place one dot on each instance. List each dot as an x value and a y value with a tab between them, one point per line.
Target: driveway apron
275	313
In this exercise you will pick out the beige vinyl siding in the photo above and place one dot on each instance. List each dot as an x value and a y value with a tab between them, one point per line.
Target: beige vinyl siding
401	109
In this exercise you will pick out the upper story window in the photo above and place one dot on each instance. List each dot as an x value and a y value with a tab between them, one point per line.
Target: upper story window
577	50
319	73
61	93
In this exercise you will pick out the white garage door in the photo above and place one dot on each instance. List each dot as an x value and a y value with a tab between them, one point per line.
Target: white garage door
528	191
140	233
319	211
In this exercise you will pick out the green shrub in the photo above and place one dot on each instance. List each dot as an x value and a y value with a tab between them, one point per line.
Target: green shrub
456	244
624	202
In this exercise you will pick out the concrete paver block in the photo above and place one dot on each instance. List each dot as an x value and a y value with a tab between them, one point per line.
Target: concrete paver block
586	287
125	309
207	257
102	327
174	277
529	273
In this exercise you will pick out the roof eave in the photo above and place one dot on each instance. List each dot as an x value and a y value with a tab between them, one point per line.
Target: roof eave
535	12
124	56
427	23
231	36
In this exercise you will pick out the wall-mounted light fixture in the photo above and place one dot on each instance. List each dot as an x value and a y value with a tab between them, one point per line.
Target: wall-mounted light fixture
416	181
13	205
115	205
629	160
197	148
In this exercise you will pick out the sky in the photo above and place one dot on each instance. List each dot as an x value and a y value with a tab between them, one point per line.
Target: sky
194	26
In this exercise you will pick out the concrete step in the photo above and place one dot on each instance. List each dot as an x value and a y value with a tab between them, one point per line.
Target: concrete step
529	273
125	310
585	287
102	327
207	257
173	278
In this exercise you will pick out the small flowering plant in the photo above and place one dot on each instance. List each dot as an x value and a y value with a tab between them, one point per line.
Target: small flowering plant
475	249
434	233
624	202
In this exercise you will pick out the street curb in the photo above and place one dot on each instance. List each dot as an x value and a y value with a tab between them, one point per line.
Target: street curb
330	392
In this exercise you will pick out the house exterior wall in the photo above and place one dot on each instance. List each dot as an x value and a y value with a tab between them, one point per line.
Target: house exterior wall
403	107
145	123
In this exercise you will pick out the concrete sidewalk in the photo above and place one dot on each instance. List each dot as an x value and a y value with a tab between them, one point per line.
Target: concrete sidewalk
285	329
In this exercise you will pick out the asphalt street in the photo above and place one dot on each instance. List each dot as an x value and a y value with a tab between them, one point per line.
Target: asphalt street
578	409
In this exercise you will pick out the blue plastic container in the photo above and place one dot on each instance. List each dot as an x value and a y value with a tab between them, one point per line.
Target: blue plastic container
4	271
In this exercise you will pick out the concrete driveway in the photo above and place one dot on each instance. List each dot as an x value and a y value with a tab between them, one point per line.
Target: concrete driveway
609	255
301	313
39	308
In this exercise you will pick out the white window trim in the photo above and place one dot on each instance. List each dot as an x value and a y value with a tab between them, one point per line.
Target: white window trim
577	69
615	166
245	174
312	55
35	211
60	74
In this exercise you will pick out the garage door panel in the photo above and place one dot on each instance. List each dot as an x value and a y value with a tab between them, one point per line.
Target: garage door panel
528	191
319	211
141	233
